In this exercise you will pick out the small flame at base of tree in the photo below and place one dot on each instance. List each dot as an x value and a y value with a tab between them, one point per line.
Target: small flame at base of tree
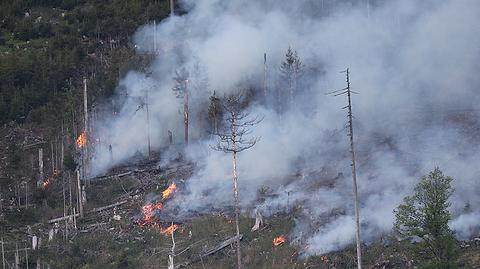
279	240
81	140
46	183
49	180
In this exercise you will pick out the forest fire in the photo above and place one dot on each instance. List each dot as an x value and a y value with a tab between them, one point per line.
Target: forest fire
169	230
169	191
149	210
277	241
46	183
81	140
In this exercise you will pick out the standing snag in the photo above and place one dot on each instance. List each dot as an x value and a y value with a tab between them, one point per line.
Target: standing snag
348	91
234	140
181	91
214	110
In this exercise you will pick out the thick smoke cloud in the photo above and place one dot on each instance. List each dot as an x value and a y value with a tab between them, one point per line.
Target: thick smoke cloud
414	64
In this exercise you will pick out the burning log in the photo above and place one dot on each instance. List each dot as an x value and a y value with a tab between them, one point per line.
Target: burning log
279	240
169	191
169	230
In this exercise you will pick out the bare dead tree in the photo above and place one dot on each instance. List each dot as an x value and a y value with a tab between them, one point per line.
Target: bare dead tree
234	140
214	110
143	103
347	90
181	91
171	264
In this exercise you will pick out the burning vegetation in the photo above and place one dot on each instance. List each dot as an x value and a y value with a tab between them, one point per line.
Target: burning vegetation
46	183
169	191
279	240
169	230
151	208
81	140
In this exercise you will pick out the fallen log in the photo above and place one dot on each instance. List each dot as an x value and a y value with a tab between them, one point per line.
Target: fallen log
102	178
214	250
98	209
33	144
63	218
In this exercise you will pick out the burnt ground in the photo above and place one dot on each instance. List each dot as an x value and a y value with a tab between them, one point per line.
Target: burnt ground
118	237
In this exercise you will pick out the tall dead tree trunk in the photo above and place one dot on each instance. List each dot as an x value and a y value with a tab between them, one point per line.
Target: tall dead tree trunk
347	90
185	111
265	75
3	256
233	141
354	173
40	163
235	189
79	195
171	264
85	128
181	91
148	122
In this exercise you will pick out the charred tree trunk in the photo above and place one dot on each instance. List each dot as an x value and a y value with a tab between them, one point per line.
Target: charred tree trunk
233	141
354	174
40	163
185	111
237	209
85	128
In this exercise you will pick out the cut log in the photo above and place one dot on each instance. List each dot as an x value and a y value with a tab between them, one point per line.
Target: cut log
63	218
33	144
102	178
214	250
98	209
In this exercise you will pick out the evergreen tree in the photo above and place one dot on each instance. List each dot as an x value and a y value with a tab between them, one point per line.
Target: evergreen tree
291	71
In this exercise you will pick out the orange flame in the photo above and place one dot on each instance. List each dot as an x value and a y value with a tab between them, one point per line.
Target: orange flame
324	258
169	191
149	210
277	241
169	230
81	140
46	183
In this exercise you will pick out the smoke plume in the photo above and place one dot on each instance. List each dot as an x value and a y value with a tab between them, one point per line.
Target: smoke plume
414	64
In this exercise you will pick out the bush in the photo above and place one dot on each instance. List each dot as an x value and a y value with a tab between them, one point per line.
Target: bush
425	215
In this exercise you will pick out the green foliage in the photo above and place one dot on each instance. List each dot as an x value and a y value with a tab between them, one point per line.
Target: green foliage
69	162
46	47
23	216
425	215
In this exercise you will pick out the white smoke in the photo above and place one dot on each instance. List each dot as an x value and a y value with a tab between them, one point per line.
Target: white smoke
414	64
